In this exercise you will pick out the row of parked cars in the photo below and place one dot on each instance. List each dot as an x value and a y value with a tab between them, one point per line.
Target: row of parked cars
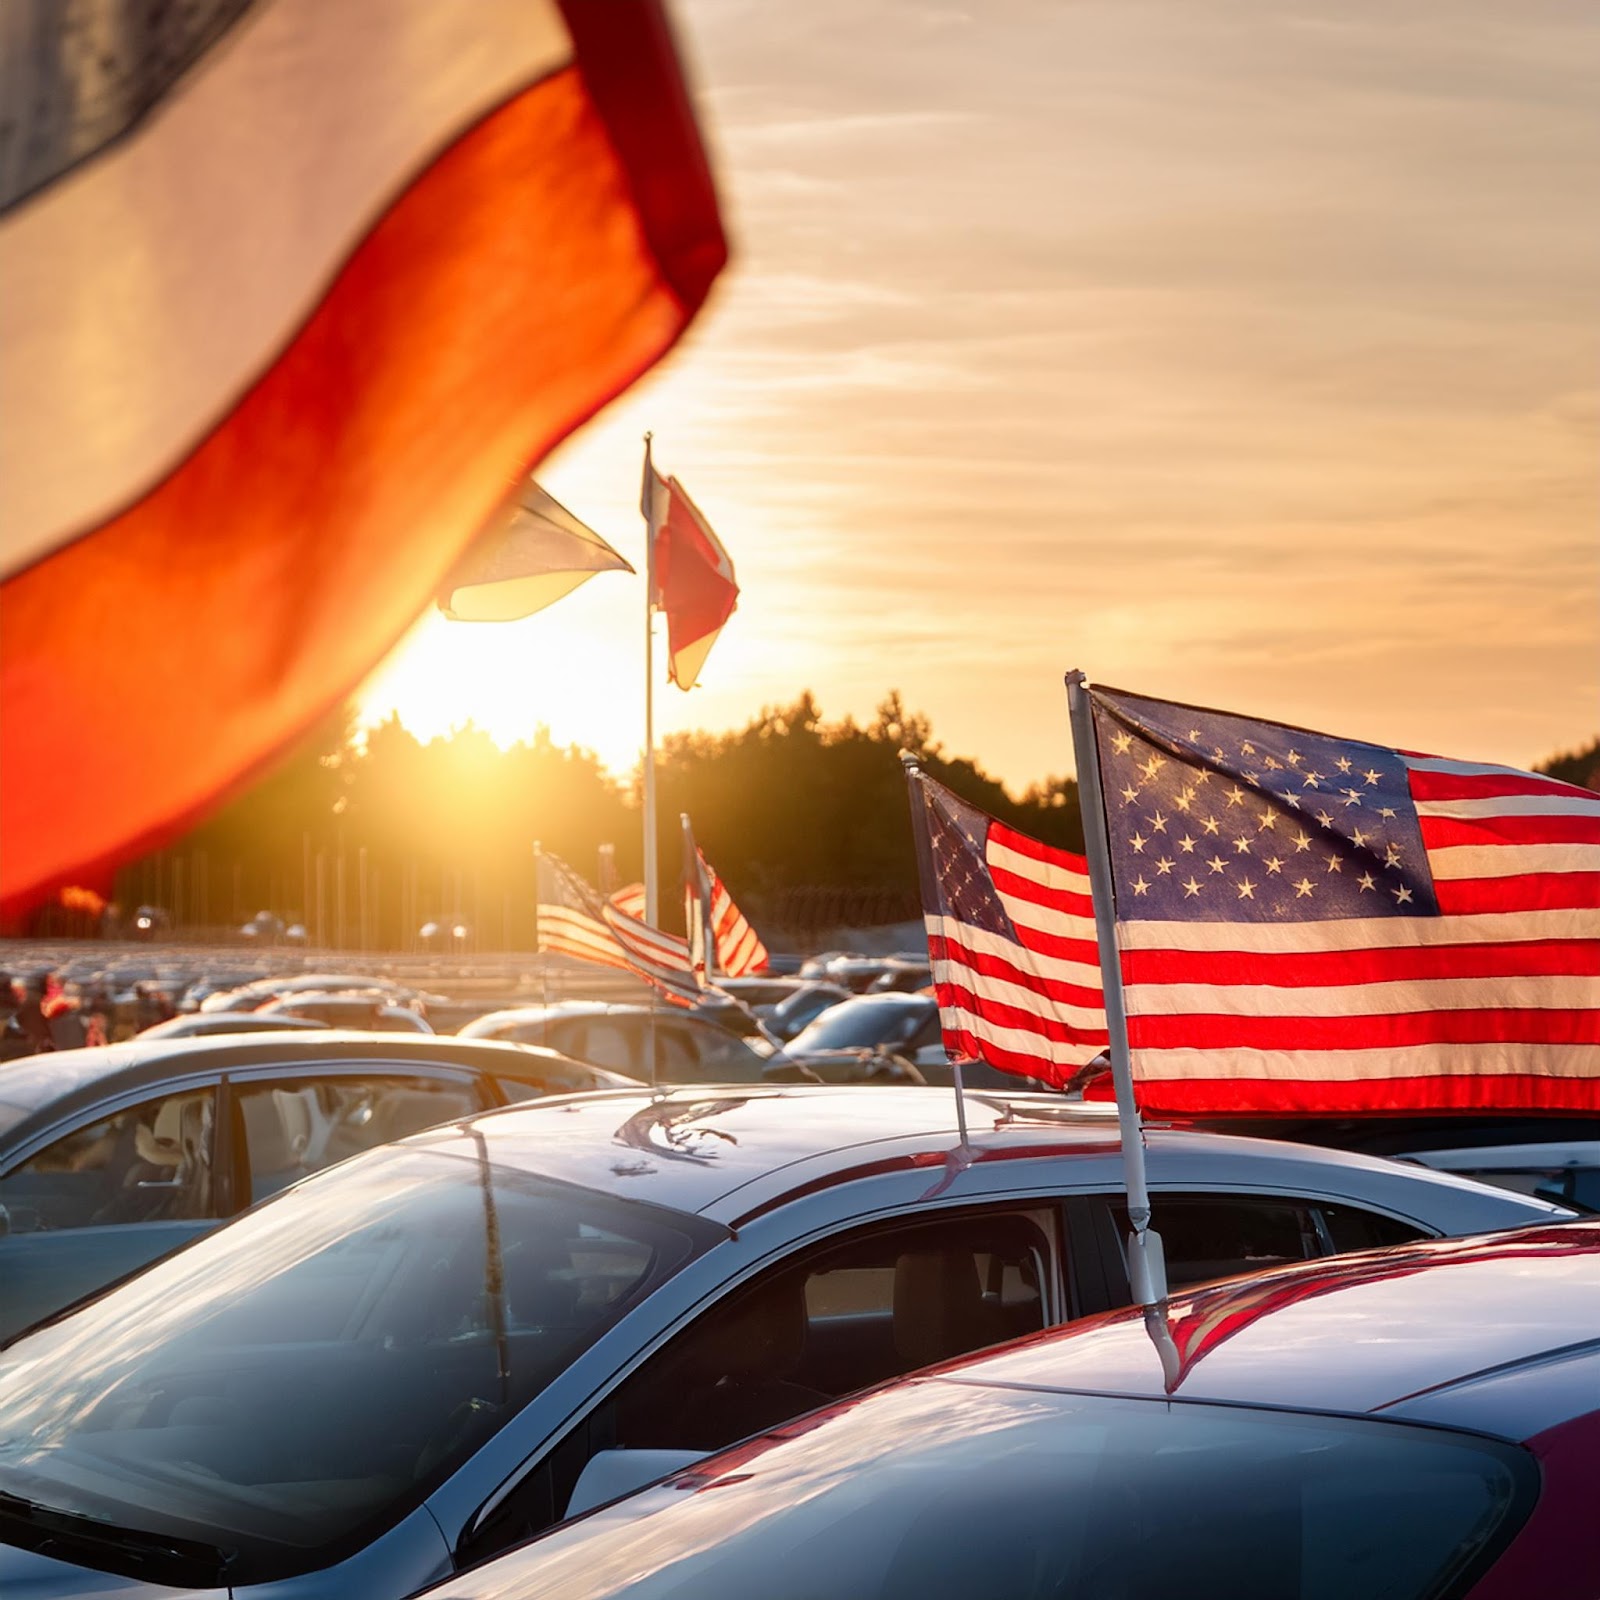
410	1301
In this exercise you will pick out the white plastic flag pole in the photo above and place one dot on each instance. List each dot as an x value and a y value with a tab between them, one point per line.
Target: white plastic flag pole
1147	1269
918	824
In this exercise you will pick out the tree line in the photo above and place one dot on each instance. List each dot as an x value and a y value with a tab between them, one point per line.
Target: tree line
366	839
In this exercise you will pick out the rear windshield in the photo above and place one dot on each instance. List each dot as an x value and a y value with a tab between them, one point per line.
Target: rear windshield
270	1397
858	1027
949	1491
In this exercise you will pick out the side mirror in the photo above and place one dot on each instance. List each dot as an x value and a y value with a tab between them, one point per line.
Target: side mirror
610	1474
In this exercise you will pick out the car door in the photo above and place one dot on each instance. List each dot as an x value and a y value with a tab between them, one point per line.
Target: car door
88	1203
288	1125
867	1303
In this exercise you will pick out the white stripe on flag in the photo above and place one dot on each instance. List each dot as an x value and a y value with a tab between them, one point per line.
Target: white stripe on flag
1056	879
1454	861
1056	969
1550	993
1021	1041
1512	805
1007	992
1362	933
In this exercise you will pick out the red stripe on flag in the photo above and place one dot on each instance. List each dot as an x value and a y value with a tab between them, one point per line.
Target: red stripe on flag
1441	832
1425	785
1533	891
1040	894
963	1045
1050	855
1033	1020
1464	1092
989	965
1364	1031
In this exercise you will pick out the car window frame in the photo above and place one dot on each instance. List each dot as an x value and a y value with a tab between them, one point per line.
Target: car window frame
130	1099
1113	1255
1044	1211
254	1073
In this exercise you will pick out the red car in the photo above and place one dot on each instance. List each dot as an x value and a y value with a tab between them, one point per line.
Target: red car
1421	1423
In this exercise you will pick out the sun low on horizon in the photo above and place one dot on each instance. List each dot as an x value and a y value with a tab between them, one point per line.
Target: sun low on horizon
1237	357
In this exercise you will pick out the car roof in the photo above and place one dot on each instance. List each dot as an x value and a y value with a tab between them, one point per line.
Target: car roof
730	1152
1439	1331
888	1000
35	1089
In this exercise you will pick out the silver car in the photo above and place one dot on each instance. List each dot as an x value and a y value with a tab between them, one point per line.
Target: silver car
403	1365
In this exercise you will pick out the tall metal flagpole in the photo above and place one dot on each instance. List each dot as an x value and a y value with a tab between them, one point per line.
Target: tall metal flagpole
647	504
1147	1267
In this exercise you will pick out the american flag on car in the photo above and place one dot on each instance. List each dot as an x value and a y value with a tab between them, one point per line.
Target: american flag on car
1011	940
1308	923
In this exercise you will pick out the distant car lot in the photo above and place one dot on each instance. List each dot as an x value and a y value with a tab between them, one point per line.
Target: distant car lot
112	1157
685	1048
405	1363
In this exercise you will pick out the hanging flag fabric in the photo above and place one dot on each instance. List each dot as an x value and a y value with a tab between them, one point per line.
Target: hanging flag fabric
1315	924
738	947
694	582
574	920
721	939
542	554
293	294
658	957
1011	940
571	917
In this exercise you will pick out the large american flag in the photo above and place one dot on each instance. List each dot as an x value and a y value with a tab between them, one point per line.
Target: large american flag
1309	923
1011	940
575	920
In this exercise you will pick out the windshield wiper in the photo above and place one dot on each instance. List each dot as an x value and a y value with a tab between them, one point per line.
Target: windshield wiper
51	1531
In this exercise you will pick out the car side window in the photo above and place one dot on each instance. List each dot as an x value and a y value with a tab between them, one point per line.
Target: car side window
1207	1237
872	1306
149	1163
715	1051
296	1126
604	1044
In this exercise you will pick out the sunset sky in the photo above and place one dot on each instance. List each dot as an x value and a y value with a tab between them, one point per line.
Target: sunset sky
1242	354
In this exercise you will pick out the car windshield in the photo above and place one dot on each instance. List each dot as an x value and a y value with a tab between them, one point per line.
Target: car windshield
300	1379
950	1489
861	1026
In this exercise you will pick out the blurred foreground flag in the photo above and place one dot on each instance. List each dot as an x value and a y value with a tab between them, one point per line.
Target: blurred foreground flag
1011	940
294	295
1317	924
694	583
542	554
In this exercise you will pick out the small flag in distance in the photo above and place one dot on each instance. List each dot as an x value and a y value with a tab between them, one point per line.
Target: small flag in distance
694	583
541	555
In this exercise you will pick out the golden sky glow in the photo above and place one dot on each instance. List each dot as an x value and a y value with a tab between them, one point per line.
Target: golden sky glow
1238	353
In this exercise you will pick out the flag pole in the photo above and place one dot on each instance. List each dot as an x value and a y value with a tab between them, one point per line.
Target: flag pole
919	824
543	955
1147	1268
647	501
